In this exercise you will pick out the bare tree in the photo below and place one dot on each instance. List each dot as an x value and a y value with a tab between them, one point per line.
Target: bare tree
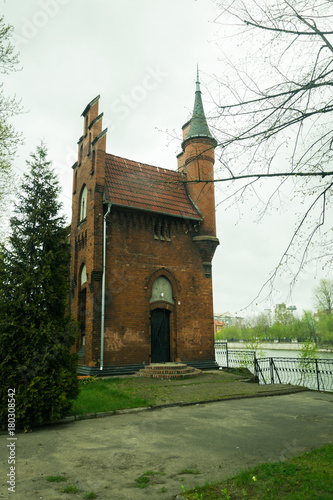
274	120
9	137
9	106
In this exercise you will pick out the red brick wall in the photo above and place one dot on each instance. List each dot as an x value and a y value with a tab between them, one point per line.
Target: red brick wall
134	259
86	236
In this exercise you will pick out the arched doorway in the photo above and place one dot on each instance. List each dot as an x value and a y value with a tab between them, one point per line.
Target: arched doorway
161	302
160	335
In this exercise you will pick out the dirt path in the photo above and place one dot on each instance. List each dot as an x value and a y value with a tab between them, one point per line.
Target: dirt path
176	446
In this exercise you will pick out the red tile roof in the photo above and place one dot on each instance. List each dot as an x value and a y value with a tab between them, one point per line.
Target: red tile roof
137	185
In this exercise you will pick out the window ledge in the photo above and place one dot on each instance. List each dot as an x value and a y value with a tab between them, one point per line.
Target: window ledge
82	221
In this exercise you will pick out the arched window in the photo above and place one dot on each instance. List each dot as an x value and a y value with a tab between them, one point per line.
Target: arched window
82	298
83	275
162	290
83	203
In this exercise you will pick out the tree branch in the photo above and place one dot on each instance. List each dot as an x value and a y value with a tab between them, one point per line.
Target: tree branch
285	254
283	30
259	176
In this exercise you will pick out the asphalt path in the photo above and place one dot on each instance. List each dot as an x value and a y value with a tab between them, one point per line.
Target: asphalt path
178	446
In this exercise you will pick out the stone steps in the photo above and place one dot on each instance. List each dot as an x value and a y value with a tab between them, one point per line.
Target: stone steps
168	371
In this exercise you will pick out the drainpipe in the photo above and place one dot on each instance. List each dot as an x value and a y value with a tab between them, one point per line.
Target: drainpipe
103	286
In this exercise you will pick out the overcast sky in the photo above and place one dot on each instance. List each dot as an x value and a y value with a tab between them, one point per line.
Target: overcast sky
141	57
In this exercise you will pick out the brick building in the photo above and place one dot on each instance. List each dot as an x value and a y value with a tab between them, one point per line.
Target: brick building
142	243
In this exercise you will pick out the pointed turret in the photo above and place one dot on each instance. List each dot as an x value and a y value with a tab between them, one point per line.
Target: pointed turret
198	123
197	163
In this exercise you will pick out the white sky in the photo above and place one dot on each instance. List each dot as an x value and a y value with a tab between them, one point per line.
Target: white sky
141	56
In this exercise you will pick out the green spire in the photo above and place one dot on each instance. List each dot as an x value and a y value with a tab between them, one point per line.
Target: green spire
198	127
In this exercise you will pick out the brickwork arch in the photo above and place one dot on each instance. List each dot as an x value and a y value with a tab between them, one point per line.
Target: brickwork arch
167	306
162	290
167	274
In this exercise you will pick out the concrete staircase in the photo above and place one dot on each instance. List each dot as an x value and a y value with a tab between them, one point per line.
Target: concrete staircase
169	371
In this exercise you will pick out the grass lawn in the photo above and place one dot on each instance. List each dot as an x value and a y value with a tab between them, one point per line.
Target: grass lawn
306	477
100	394
105	395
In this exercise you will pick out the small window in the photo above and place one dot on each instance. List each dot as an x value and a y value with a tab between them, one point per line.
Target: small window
168	232
207	269
162	229
156	230
75	182
83	204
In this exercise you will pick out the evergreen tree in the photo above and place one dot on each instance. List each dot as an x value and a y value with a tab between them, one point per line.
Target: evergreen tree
35	331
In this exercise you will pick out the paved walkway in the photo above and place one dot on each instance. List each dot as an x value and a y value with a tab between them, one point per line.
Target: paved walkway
106	455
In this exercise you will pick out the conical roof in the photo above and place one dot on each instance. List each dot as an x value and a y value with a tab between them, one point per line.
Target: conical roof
198	127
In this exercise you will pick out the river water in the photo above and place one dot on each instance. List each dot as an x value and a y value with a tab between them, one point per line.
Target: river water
266	352
286	353
314	375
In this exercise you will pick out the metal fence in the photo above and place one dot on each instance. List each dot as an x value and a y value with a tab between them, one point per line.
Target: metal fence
316	374
231	358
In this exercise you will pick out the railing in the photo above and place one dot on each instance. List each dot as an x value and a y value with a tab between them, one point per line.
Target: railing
231	358
316	374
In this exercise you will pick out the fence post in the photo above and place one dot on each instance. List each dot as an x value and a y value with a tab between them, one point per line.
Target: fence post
276	371
317	372
226	347
256	378
272	371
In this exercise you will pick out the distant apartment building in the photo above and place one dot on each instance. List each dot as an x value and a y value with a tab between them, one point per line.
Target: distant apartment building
226	319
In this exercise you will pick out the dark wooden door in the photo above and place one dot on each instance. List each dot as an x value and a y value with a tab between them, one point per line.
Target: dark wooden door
160	336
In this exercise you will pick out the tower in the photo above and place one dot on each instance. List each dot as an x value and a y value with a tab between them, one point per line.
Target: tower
86	231
196	162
